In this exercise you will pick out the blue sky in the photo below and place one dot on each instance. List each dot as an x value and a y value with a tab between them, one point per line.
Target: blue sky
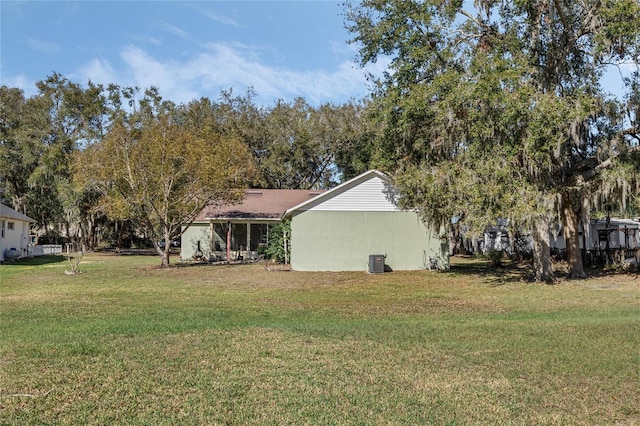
283	49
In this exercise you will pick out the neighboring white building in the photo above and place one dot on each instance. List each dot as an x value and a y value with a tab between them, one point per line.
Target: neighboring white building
600	235
603	234
496	238
14	233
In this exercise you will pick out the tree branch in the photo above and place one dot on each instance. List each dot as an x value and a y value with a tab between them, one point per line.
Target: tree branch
580	178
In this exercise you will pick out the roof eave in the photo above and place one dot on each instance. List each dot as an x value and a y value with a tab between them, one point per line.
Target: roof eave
241	219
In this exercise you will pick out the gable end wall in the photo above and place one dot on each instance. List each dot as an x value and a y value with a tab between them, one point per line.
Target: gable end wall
343	240
373	194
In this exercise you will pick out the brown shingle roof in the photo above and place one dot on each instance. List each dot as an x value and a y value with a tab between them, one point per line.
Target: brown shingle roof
259	204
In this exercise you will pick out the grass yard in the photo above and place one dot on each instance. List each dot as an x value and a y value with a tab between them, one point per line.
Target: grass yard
125	342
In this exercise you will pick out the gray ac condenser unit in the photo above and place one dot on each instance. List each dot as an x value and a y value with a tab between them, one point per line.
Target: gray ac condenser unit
376	263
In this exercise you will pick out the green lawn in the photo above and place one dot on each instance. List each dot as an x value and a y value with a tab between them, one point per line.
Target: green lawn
125	342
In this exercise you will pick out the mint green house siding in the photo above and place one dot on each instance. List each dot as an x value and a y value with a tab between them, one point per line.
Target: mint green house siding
190	237
343	240
339	229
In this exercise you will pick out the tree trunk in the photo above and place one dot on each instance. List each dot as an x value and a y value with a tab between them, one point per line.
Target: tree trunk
512	241
91	232
67	231
542	271
165	257
570	219
78	238
453	239
85	237
19	205
119	230
165	251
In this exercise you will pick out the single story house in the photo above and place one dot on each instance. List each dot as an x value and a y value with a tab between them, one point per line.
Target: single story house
495	237
238	231
14	233
359	221
603	235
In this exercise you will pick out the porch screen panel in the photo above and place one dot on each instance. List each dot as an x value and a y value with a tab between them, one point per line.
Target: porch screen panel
220	236
258	235
238	236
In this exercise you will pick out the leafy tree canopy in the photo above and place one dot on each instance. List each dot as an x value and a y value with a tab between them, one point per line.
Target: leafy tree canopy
159	168
499	105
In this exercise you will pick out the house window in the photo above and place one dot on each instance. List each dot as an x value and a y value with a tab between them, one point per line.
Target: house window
11	226
2	233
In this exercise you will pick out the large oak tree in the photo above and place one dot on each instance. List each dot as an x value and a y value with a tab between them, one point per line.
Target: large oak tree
38	135
496	109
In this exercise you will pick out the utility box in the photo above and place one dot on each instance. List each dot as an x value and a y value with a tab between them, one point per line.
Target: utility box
376	263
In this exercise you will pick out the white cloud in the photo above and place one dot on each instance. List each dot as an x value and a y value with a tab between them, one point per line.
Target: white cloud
22	82
98	71
342	48
146	39
144	71
221	19
220	66
43	46
176	30
236	66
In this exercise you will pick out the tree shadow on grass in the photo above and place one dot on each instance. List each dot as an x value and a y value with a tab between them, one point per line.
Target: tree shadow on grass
507	272
37	260
130	252
521	272
603	272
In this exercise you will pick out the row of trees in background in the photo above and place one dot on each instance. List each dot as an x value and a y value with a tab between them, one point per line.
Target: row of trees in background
97	163
486	112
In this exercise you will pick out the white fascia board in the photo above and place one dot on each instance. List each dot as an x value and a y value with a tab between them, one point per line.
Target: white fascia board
242	220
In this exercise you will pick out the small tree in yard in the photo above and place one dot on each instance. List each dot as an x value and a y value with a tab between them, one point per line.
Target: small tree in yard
165	171
74	264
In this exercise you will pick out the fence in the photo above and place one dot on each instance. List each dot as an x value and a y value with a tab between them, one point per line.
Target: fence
41	250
